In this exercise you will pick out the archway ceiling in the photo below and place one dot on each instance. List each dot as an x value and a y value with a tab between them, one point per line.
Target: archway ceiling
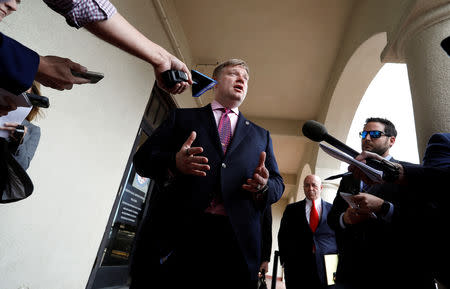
290	46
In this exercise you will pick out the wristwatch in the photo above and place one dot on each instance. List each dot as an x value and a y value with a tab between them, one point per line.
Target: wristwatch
259	195
385	208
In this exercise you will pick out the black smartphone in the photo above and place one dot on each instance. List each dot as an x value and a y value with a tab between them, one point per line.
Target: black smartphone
172	77
38	100
94	77
19	132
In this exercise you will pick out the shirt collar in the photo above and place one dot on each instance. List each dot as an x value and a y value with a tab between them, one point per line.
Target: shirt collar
215	105
317	201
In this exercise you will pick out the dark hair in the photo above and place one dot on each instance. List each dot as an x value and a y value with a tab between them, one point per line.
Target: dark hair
389	127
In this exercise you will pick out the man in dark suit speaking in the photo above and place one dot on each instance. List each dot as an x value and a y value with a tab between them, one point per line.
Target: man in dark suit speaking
305	237
222	173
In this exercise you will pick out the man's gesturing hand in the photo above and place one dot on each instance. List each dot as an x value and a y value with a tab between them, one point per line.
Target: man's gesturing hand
187	161
260	176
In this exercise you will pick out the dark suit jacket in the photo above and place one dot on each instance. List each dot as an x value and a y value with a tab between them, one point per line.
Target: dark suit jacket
435	170
368	252
18	65
192	194
295	241
427	201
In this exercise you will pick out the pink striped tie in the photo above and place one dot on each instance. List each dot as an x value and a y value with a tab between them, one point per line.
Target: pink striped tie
225	129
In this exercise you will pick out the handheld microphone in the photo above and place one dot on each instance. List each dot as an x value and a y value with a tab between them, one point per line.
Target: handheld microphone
338	176
200	82
317	132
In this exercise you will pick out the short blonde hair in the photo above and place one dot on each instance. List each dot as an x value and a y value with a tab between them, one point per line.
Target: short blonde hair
35	111
230	62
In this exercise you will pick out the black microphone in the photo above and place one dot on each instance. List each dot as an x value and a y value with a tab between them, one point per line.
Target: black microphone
338	176
317	132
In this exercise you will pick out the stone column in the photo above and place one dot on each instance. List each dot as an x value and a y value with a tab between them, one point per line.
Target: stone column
416	42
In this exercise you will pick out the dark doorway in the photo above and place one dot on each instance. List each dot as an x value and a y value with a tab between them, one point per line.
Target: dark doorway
110	269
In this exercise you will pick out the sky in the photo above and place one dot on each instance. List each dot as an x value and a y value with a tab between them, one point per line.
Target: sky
388	96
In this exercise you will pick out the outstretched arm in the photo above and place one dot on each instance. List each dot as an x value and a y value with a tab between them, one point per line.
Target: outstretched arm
120	33
101	18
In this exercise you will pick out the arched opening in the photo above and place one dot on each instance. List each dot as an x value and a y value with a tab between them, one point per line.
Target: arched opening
355	78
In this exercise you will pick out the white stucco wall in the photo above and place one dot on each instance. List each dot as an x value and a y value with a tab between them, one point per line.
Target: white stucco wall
50	240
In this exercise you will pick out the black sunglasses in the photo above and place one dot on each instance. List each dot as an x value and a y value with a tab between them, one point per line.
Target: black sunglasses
372	133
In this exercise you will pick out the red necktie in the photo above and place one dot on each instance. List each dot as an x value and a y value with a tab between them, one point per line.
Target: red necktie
225	129
313	217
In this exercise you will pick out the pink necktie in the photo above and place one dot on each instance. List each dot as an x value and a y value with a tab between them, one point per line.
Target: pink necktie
313	217
225	129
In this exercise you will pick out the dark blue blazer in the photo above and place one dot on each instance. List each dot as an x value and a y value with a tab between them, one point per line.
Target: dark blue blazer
434	171
227	175
295	241
18	65
427	201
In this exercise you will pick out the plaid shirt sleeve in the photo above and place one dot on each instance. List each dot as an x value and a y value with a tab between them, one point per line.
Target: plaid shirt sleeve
80	12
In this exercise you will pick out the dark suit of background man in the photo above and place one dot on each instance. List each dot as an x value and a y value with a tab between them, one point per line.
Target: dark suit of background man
223	174
367	236
305	237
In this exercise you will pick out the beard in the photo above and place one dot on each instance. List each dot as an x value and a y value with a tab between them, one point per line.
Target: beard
378	149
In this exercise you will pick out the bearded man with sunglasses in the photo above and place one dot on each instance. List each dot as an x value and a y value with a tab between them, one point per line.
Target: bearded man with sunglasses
368	235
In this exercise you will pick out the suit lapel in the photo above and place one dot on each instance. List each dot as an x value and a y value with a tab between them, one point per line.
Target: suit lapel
208	118
240	132
302	213
324	212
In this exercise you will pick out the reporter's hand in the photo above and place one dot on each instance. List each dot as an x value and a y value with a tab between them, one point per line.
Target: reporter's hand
170	62
368	155
367	201
10	127
186	160
264	267
357	173
55	72
355	215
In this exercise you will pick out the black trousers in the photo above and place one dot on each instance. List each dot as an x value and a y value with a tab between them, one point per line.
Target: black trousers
208	257
304	275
